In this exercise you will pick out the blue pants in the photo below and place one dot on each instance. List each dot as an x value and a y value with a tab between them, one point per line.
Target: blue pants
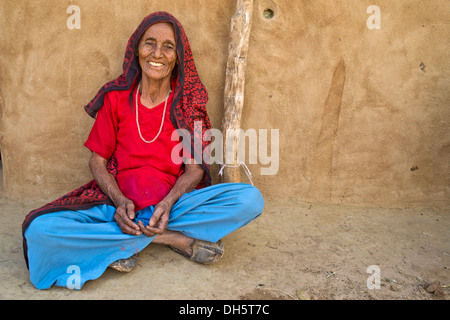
68	248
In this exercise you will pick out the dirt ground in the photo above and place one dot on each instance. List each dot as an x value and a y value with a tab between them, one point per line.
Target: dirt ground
293	251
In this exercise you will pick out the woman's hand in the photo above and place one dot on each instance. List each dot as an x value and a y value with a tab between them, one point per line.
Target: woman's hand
185	183
124	206
159	220
124	217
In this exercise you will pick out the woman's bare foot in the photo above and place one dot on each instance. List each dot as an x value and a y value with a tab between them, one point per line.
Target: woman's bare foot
176	240
200	251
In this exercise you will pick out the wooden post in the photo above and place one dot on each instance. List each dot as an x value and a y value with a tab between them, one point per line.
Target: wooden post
234	84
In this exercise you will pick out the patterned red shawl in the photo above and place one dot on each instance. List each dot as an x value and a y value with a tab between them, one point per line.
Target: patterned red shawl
189	105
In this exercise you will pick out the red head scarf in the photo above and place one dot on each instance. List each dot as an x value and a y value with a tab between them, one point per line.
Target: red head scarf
189	105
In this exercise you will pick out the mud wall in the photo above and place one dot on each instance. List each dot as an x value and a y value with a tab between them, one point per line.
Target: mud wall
360	98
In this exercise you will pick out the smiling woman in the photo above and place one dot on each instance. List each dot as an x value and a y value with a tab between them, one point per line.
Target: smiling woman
139	194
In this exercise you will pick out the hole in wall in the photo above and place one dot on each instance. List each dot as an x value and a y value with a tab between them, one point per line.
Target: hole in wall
268	13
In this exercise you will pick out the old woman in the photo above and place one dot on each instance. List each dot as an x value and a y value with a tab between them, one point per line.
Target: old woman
139	194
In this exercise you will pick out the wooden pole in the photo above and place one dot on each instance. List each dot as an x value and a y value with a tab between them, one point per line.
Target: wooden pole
241	24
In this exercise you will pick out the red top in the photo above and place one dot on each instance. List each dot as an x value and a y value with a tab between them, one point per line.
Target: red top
145	172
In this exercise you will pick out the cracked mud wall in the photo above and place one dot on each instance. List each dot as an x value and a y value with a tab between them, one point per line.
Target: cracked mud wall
363	115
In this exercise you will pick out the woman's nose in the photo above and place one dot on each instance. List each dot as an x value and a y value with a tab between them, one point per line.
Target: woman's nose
157	53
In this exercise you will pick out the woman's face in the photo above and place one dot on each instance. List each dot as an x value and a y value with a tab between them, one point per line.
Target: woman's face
157	51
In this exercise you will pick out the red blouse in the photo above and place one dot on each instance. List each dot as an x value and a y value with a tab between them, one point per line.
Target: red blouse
146	172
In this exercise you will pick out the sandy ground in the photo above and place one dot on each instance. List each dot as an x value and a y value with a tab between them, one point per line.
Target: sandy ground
293	251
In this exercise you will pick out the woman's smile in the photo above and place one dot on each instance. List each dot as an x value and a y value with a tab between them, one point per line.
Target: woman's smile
155	64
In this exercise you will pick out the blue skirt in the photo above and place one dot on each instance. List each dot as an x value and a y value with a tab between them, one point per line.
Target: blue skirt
68	248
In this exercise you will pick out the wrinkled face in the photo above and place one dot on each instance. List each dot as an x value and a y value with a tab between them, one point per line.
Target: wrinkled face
157	51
